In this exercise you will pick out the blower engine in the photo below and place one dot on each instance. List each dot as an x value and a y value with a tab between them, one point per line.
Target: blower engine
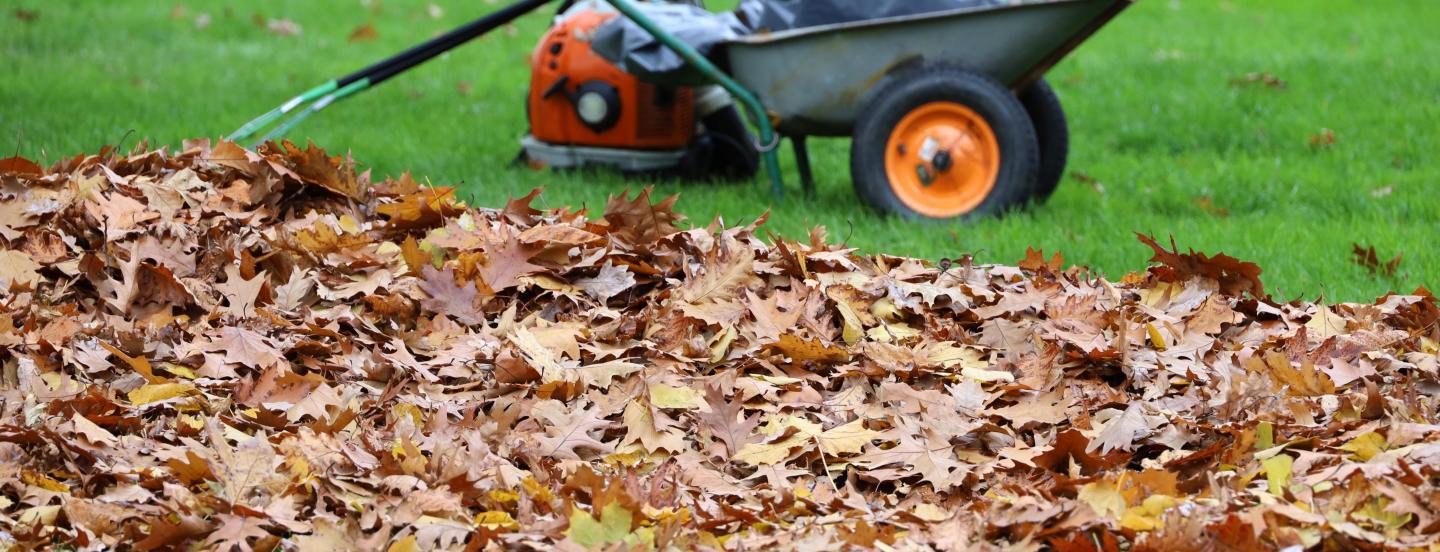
585	111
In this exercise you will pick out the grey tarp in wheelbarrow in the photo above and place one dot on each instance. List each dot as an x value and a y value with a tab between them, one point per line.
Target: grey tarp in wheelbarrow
638	52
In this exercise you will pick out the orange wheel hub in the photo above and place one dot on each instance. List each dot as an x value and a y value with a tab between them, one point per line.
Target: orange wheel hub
942	159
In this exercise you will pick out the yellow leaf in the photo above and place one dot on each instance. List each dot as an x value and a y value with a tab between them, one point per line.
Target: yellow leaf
1264	436
39	515
1429	346
406	409
930	512
139	364
1325	324
493	520
613	527
406	544
665	396
1278	470
30	477
767	454
1103	497
777	380
156	392
182	371
504	497
1366	446
886	333
853	331
16	267
349	225
987	375
1156	340
1377	512
1153	297
885	310
721	344
1146	516
536	490
802	350
846	439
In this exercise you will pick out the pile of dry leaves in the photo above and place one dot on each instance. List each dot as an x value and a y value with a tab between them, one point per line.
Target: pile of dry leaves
268	350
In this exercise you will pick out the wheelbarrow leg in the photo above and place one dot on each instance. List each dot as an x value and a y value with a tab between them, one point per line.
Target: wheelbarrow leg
802	162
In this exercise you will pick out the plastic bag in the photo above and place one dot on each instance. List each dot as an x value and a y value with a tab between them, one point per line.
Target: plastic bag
627	45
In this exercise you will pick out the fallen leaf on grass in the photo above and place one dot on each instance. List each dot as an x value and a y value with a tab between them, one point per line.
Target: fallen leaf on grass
283	27
1205	203
1086	179
1369	259
363	33
1266	80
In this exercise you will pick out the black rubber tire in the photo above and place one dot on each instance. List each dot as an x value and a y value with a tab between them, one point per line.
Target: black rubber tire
906	90
1051	132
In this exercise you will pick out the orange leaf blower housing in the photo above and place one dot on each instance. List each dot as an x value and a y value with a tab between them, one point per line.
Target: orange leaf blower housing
584	110
578	98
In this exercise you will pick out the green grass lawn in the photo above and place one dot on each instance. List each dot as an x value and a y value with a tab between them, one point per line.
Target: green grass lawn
1164	143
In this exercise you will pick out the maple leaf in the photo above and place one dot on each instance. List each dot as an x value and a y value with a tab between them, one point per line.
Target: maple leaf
638	221
725	420
651	429
171	255
770	320
934	463
506	263
446	297
240	294
248	468
721	278
611	281
314	166
122	294
17	268
1234	276
1121	431
573	432
236	532
122	216
291	295
846	439
242	346
1035	261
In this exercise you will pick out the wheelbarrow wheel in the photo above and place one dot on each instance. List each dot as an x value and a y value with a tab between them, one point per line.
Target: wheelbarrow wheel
944	143
1052	133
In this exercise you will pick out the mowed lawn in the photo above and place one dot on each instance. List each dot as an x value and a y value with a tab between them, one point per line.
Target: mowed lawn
1168	137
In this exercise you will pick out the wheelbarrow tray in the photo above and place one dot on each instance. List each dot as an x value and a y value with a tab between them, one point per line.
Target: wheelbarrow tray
815	80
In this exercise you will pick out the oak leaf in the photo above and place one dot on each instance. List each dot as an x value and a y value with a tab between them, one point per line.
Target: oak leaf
572	433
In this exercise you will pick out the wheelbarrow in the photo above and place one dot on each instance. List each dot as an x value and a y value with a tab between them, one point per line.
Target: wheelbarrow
948	114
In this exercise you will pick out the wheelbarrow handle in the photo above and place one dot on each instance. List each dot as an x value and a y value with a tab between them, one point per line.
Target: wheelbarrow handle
747	98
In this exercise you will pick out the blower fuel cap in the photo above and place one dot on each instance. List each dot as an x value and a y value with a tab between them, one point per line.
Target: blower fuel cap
597	103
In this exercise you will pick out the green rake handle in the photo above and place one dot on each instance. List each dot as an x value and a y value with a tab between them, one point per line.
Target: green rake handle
324	95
